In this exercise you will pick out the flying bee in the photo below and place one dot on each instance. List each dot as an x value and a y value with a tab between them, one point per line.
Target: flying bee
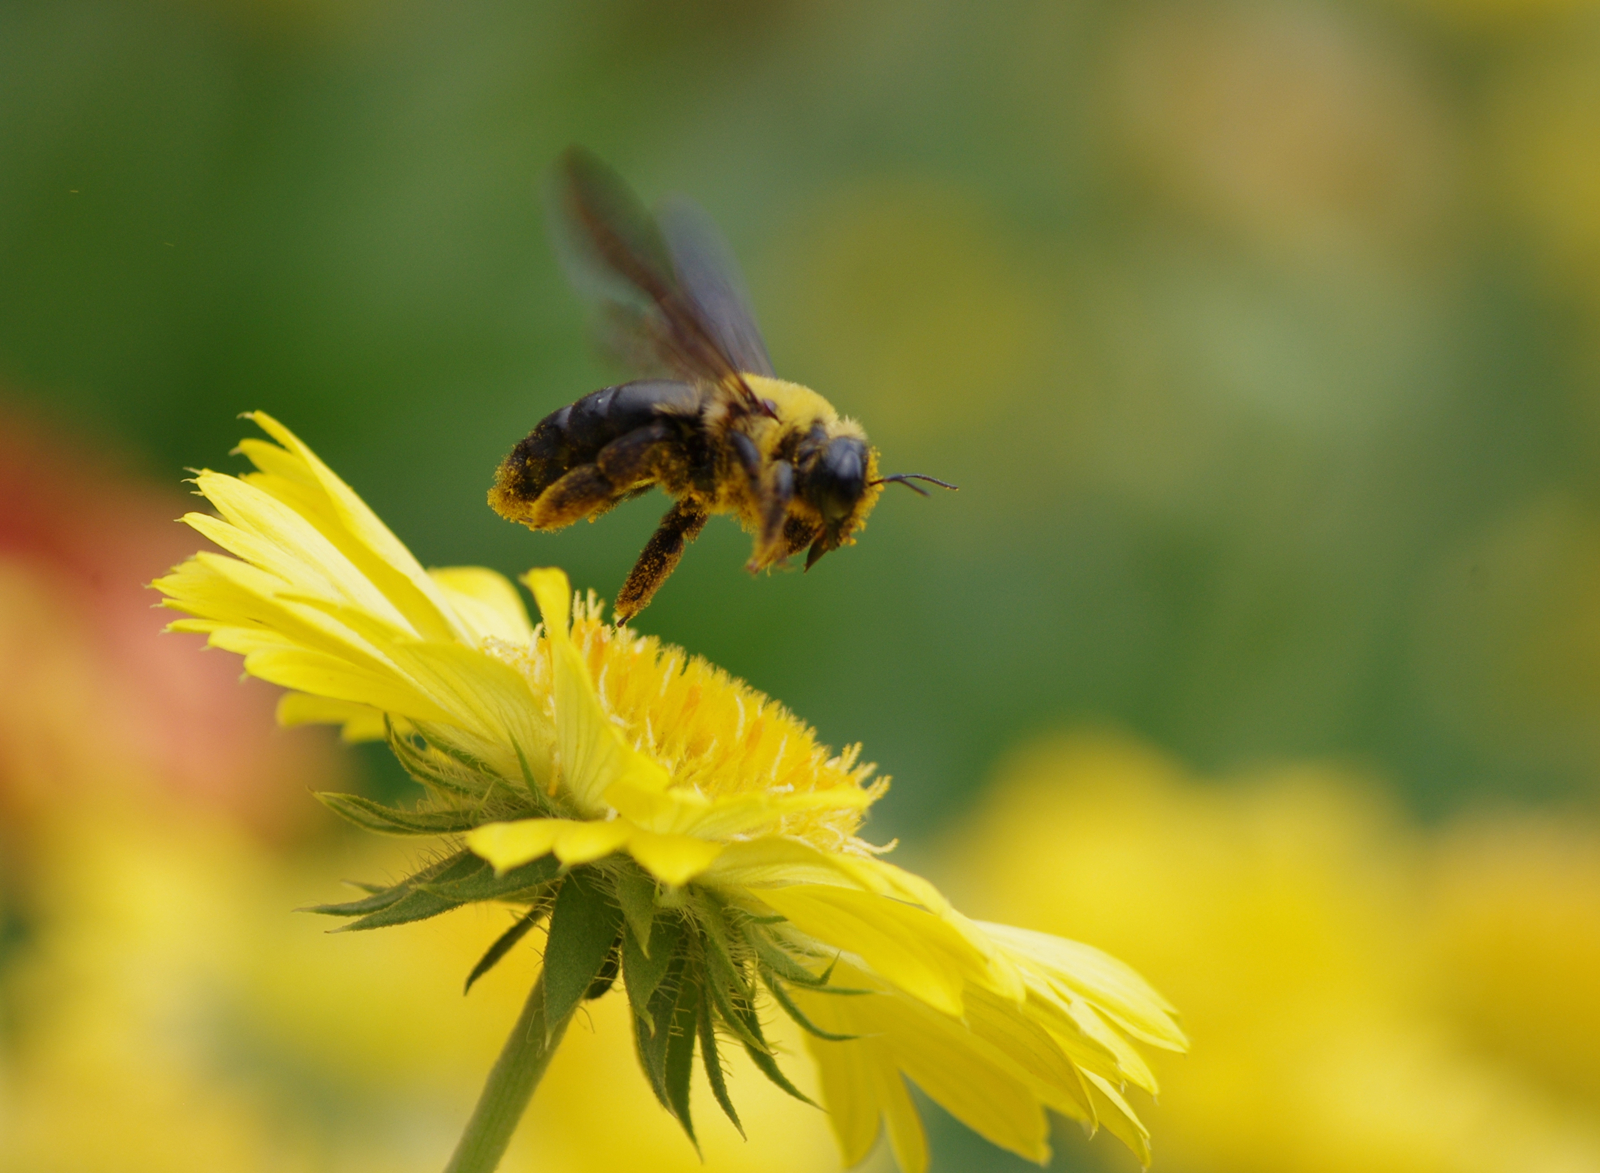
715	428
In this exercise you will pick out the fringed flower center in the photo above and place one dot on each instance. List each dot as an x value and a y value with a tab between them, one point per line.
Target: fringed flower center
713	734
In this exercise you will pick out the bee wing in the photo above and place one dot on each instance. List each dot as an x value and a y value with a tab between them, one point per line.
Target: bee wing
709	274
615	251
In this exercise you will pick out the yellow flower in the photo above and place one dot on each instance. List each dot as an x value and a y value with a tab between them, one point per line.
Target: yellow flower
677	827
1375	998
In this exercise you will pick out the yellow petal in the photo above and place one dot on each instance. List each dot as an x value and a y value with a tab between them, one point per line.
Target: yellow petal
491	697
483	695
215	587
243	640
324	675
486	602
860	1078
1054	1014
360	722
908	885
845	1078
998	972
574	841
593	755
672	859
276	462
1130	1064
1113	1111
1112	986
509	845
743	813
960	1070
780	860
900	1115
247	640
553	593
298	490
909	947
585	840
372	546
1029	1050
267	533
640	794
286	477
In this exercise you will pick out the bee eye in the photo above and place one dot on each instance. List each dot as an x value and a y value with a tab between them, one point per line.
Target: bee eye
839	477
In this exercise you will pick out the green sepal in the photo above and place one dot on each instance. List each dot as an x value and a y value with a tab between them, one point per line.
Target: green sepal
725	977
416	763
636	892
379	898
485	885
406	901
603	981
417	904
721	950
502	945
817	983
733	1014
388	820
413	906
720	961
642	972
583	928
781	996
652	1028
786	967
441	745
382	896
712	1062
680	1055
767	1065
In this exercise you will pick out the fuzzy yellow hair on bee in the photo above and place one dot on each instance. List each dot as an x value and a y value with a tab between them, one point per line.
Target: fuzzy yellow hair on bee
720	434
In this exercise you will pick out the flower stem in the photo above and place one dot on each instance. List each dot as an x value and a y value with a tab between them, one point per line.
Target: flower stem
509	1087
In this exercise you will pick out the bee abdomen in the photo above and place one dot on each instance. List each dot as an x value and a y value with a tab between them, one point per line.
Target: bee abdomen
572	437
538	460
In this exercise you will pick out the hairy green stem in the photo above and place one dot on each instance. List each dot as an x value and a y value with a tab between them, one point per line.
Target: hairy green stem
509	1087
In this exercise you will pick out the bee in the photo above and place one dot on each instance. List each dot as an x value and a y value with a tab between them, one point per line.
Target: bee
713	425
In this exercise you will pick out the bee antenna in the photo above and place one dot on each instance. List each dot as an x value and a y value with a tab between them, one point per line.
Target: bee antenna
905	478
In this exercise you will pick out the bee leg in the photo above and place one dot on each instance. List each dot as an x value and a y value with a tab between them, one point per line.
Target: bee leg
620	470
749	456
580	493
636	457
777	490
798	533
681	525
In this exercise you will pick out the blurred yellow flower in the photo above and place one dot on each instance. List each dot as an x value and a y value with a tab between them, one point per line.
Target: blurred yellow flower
676	827
172	1012
1513	917
1344	973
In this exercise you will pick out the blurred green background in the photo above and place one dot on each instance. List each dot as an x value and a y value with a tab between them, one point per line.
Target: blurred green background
1260	338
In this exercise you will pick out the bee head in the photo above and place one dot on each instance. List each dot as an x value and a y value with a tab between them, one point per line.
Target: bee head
838	479
835	482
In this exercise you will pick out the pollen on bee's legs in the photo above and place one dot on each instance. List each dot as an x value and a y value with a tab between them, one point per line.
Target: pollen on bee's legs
583	492
682	524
